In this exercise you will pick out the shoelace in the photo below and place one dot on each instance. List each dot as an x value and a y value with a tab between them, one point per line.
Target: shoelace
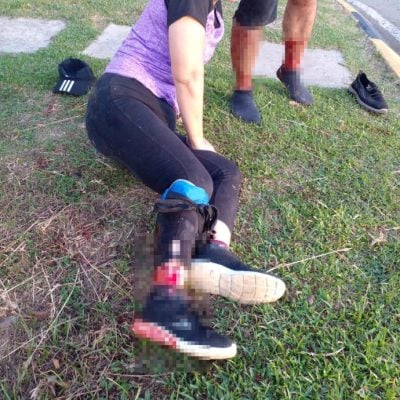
210	216
172	205
373	91
208	212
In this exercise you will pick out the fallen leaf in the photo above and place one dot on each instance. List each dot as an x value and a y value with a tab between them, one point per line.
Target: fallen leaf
56	363
378	240
50	108
42	162
41	315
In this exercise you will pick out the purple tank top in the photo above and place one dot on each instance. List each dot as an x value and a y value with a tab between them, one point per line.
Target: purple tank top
144	54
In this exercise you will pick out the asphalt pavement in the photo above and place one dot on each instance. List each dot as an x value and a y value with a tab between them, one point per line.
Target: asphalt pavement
384	16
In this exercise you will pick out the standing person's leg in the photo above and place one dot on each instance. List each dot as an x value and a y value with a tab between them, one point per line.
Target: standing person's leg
215	269
247	30
244	49
138	136
298	22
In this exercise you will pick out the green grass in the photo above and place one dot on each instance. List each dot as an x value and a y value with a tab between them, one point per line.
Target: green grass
319	205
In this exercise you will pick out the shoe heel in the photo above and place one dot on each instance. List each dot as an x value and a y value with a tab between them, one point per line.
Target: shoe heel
154	333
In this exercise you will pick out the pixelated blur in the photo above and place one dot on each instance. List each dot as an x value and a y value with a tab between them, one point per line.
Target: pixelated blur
158	350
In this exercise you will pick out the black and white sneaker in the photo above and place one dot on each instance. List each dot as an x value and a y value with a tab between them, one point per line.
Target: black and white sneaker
216	270
368	95
168	320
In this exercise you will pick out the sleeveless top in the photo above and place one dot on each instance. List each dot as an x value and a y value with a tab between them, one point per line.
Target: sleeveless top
144	54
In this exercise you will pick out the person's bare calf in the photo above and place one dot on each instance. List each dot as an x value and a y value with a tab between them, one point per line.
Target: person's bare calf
298	22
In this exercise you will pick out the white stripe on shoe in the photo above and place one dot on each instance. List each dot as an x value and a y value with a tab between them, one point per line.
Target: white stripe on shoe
158	334
206	352
245	287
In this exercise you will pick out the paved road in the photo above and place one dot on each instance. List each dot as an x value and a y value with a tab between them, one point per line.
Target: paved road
384	15
389	9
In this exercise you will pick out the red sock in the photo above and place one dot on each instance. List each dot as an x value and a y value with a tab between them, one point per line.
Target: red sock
170	273
294	50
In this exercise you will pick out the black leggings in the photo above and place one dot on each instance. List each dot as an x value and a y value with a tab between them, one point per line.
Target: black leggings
256	12
126	122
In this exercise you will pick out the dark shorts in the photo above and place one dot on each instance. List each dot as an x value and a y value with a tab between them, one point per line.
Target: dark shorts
256	12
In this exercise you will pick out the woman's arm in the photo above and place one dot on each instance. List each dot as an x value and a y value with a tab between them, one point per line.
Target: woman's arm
186	45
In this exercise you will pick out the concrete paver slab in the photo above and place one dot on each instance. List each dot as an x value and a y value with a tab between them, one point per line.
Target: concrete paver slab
108	42
325	68
27	35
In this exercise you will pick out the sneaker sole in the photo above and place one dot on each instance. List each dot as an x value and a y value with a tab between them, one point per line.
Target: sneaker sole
245	287
160	335
365	105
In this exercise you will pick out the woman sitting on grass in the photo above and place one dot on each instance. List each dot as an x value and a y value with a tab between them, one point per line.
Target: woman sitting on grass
158	73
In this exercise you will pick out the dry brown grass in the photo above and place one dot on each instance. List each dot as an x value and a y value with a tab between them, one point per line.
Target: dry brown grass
67	284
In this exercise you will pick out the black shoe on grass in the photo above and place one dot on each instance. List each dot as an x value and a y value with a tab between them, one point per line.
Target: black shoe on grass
297	91
216	270
167	320
244	107
368	95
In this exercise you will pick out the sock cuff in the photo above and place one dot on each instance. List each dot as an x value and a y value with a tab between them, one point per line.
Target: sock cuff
187	189
239	91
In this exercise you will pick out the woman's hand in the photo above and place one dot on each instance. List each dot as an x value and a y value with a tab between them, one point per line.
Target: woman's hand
204	144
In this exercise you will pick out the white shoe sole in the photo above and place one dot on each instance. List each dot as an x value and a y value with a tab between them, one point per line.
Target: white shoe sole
245	287
365	105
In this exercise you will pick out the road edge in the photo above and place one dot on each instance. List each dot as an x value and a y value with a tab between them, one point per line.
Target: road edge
386	52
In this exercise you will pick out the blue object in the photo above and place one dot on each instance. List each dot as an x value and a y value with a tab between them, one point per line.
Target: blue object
185	188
